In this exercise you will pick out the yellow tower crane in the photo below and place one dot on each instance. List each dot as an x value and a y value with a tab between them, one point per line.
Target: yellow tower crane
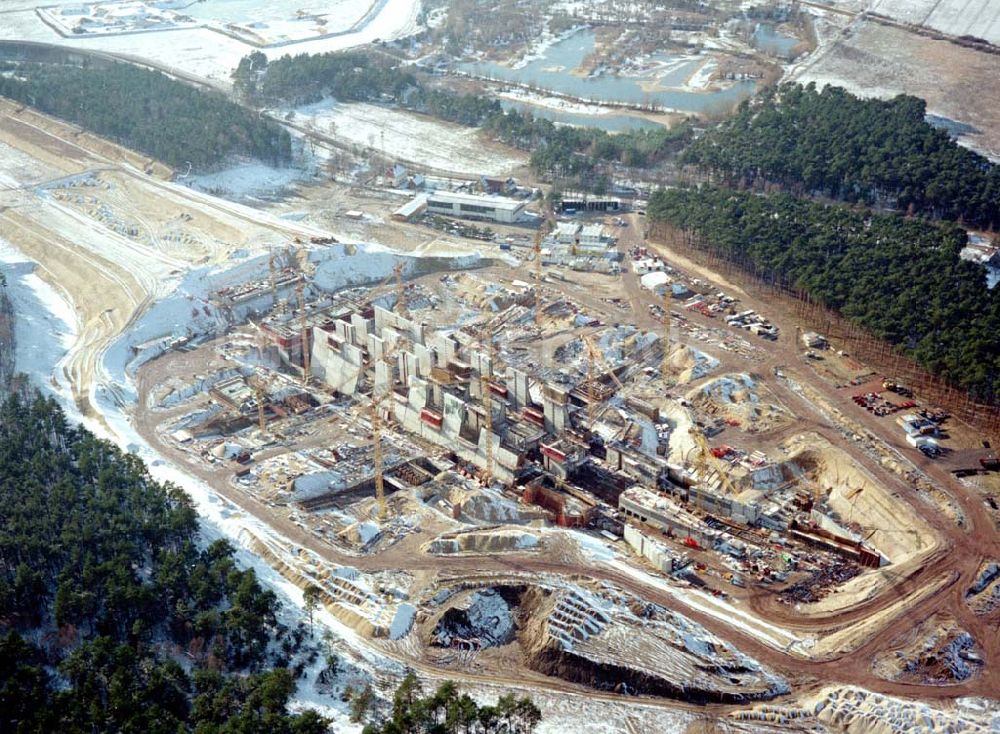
378	457
593	356
538	278
484	385
259	386
306	272
543	229
400	290
272	267
708	459
667	367
377	453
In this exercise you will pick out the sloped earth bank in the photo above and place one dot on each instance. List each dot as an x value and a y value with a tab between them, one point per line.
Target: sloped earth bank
604	639
939	652
860	503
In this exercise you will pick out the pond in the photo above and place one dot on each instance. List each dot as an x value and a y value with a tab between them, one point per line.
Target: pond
768	40
557	71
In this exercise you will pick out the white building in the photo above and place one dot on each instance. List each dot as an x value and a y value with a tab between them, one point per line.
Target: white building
472	206
647	265
566	233
592	236
655	281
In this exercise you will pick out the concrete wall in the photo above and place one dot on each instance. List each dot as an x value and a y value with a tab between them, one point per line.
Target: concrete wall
652	550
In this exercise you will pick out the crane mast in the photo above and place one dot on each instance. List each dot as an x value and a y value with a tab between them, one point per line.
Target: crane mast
379	459
667	370
484	382
303	329
273	274
400	290
538	278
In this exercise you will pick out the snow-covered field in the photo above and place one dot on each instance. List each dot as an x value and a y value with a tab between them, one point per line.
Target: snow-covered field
979	18
211	55
406	137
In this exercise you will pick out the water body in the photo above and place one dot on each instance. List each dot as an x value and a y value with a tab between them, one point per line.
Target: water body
768	40
609	123
554	71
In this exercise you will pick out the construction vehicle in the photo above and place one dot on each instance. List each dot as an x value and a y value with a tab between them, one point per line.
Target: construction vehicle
899	389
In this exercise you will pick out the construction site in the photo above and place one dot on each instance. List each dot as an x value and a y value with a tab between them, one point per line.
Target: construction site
571	472
565	454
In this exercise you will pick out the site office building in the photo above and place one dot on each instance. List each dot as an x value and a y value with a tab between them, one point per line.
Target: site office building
471	206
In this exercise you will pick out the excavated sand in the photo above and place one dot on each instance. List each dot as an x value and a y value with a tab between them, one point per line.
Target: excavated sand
886	522
743	399
689	365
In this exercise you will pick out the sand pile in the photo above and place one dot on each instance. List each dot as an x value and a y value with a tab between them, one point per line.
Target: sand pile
689	365
742	399
496	540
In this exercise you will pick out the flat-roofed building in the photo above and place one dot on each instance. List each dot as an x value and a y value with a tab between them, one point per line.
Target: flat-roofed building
471	206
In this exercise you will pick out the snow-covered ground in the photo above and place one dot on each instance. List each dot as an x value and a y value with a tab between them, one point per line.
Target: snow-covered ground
45	327
405	136
979	18
211	55
247	181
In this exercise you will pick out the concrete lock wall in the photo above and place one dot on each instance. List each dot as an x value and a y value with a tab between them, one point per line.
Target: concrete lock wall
655	552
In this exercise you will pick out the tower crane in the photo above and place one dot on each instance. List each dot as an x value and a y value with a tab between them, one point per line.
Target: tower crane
273	273
378	455
707	458
667	367
379	459
400	290
539	236
593	355
259	386
300	288
484	385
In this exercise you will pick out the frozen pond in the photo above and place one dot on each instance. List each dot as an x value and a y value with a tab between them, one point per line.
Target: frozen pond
767	39
663	85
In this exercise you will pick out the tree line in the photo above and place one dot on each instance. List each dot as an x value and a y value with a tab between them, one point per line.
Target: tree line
831	143
557	151
148	111
112	619
900	278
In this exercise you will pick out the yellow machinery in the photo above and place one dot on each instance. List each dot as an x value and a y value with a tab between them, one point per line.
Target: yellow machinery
593	355
667	368
259	385
484	385
400	290
707	459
